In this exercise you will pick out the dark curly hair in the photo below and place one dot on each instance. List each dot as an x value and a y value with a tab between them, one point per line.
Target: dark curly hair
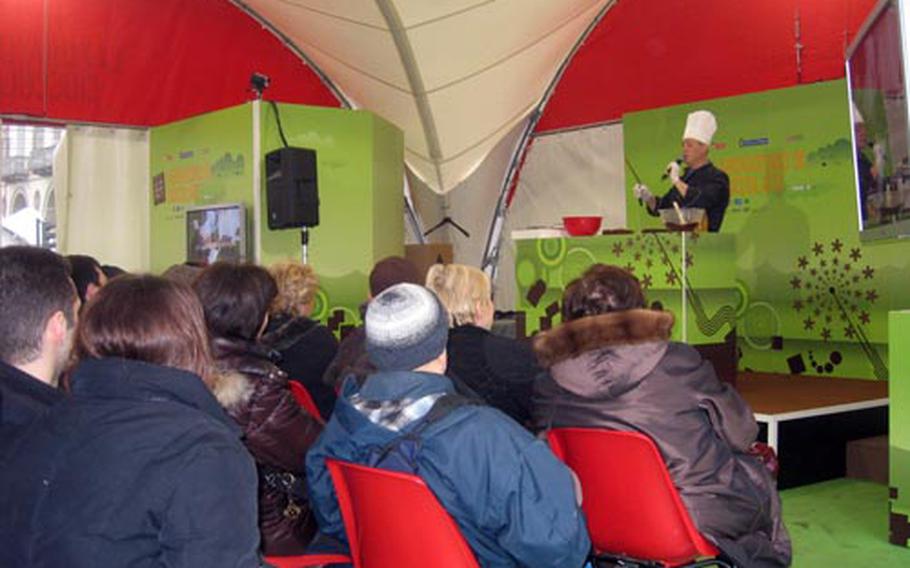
601	289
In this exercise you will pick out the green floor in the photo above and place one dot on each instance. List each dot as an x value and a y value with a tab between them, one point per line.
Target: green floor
841	523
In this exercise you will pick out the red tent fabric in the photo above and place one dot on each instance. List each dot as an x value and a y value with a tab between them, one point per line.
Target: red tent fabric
141	62
654	54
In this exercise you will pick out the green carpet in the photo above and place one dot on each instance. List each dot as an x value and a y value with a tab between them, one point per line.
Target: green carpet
843	522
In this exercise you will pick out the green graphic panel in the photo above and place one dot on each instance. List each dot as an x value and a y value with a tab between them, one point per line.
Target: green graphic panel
208	159
899	412
360	161
811	290
544	267
202	160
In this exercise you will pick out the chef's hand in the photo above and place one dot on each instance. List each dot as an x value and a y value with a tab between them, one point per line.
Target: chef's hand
673	171
642	193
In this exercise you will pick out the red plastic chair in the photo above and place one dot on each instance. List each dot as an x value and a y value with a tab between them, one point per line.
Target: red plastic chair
393	519
306	560
632	507
305	400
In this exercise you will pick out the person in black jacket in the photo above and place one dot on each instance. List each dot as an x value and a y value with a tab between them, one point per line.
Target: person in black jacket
351	359
702	185
498	369
87	275
277	432
39	307
305	345
141	466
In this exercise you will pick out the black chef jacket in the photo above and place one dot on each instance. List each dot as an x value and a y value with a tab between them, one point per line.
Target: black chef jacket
709	189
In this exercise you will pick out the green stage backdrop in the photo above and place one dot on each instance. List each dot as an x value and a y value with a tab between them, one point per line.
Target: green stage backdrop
208	159
898	433
360	168
812	298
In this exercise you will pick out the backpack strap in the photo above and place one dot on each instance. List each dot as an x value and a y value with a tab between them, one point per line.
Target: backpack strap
400	454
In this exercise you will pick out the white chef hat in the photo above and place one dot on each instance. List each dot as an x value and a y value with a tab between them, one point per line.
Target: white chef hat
857	115
700	125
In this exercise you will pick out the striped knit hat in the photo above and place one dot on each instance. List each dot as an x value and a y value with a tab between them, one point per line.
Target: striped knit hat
406	327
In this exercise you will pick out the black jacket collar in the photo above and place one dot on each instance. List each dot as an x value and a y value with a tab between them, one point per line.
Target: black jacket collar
115	378
26	385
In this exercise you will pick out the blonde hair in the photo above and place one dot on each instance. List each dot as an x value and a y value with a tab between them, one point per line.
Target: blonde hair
297	285
460	288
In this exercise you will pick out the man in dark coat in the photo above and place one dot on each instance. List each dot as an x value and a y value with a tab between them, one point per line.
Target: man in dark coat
702	186
140	466
38	304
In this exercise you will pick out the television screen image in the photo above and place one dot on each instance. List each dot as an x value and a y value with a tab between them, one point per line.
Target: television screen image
216	233
879	115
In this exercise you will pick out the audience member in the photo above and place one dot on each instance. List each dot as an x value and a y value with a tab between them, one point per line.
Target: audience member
185	273
512	499
352	359
110	271
87	275
612	365
141	467
306	346
39	306
499	369
276	430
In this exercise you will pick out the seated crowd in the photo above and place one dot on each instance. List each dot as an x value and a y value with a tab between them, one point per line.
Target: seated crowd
150	420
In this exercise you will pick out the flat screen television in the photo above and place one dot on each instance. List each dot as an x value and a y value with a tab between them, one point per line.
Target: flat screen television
216	233
877	87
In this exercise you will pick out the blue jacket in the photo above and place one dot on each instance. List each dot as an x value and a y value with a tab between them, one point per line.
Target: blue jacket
141	467
512	499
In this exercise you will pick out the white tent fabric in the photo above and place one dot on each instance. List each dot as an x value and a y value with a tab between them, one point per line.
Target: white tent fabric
102	181
455	75
578	172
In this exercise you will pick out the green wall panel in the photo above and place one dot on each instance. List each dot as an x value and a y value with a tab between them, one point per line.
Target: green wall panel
899	418
208	159
202	160
544	267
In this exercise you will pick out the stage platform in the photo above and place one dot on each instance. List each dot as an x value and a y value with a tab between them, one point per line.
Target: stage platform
809	420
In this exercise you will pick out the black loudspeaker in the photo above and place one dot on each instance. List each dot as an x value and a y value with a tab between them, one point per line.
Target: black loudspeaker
291	189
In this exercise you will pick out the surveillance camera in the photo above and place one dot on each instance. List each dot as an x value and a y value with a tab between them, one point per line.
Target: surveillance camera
259	83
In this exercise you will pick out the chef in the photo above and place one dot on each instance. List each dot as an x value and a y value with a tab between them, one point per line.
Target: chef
702	185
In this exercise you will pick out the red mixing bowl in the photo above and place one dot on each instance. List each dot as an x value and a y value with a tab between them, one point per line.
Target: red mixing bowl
579	226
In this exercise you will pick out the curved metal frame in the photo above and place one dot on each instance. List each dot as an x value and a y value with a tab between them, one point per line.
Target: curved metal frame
490	263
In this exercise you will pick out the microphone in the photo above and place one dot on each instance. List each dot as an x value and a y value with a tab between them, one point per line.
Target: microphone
679	161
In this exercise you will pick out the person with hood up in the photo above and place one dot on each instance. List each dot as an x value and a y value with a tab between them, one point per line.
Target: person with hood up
613	366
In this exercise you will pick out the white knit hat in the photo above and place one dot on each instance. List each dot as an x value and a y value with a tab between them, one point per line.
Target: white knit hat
700	125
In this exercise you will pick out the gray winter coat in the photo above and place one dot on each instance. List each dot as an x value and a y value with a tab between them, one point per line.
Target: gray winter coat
619	371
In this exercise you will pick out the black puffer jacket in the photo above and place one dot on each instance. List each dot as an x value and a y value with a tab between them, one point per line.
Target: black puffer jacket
306	348
140	467
499	369
278	433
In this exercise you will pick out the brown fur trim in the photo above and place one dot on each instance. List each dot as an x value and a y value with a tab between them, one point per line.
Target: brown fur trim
231	389
615	328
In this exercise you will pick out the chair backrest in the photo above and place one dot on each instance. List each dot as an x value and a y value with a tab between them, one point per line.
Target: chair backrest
631	504
393	519
303	398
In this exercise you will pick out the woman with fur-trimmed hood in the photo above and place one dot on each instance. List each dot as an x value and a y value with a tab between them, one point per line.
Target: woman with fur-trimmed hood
611	365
